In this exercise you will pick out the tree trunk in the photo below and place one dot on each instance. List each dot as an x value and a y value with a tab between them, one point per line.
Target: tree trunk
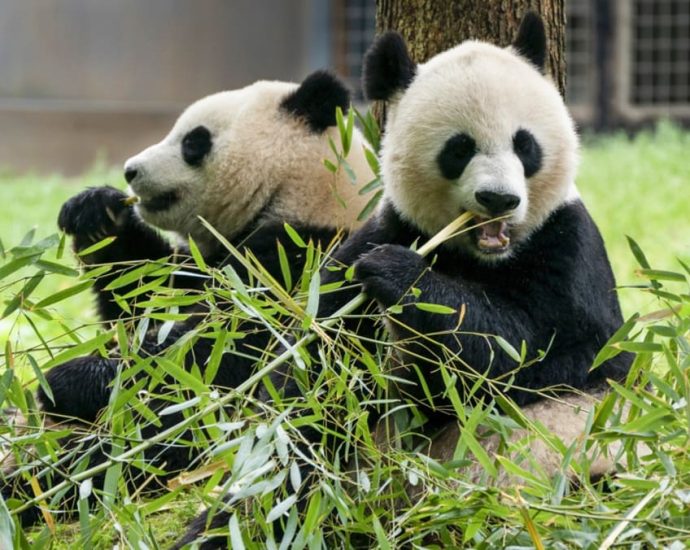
432	26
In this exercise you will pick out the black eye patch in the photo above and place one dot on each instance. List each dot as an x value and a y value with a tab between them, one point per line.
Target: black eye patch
196	144
456	155
528	151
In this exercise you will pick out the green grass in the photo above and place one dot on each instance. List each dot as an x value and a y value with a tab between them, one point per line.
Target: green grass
30	203
632	187
640	188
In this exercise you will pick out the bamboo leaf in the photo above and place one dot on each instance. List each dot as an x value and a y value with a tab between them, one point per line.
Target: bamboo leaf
96	247
63	294
294	236
435	308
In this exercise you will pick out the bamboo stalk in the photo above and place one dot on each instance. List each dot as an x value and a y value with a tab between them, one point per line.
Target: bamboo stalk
447	232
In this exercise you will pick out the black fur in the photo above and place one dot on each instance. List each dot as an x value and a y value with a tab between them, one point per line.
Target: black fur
387	67
456	155
316	99
557	293
101	212
81	387
531	40
529	151
196	145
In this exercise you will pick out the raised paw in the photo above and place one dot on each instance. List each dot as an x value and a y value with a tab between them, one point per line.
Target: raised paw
94	214
388	272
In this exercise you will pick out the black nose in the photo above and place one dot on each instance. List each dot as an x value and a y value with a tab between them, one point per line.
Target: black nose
130	174
497	203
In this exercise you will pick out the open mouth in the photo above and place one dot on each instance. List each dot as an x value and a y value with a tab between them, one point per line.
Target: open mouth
492	236
160	202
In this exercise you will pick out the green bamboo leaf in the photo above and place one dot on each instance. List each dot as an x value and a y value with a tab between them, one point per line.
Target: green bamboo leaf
178	407
134	275
63	294
372	160
294	236
180	300
96	247
145	288
435	308
374	184
23	294
508	348
639	347
284	266
349	172
85	348
330	166
17	264
113	474
235	533
637	252
215	357
54	267
314	295
197	255
345	136
41	378
370	128
369	207
6	526
281	508
61	246
661	275
467	435
184	377
608	351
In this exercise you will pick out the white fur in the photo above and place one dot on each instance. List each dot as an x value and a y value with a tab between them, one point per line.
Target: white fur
488	93
259	152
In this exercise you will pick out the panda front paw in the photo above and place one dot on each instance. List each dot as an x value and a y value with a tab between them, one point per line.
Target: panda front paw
388	272
94	214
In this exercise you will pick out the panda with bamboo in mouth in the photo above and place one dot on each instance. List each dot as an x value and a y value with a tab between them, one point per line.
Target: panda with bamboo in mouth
477	129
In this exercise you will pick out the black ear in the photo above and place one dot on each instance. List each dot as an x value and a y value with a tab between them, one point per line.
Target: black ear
316	99
388	67
531	40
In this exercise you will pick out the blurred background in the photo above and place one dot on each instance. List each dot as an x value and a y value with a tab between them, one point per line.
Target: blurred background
101	79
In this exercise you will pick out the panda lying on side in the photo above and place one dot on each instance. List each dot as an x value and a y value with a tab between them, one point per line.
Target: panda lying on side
247	161
477	129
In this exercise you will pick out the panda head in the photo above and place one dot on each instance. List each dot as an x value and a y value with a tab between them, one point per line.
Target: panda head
475	129
238	157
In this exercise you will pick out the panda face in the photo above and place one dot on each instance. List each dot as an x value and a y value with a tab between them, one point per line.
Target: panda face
237	156
173	177
479	130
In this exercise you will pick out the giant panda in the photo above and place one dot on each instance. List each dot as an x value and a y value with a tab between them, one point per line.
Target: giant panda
477	129
247	161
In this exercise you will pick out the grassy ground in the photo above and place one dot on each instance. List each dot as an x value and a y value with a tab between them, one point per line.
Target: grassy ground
633	187
31	203
639	188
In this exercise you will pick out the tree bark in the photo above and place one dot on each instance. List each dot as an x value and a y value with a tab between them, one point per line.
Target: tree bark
432	26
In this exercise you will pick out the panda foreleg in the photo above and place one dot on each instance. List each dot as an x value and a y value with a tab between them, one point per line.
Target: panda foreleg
80	388
394	275
100	212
